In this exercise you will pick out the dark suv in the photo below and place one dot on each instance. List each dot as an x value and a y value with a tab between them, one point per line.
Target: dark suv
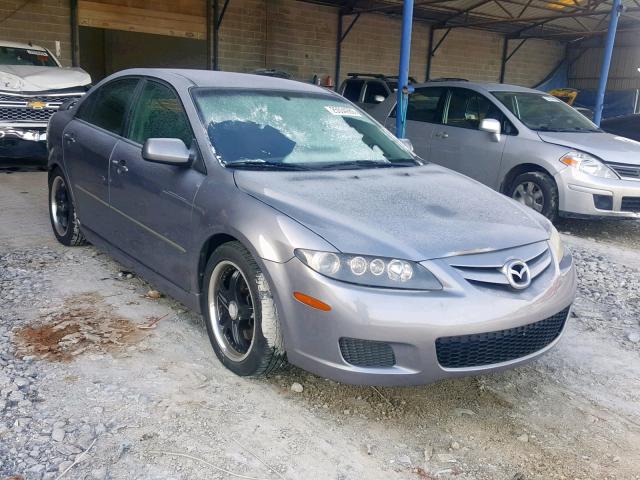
369	89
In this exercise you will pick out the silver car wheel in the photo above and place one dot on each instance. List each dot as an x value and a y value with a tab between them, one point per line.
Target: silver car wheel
59	203
231	311
529	194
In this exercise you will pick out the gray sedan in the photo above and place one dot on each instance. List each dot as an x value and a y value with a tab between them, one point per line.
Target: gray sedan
526	144
303	230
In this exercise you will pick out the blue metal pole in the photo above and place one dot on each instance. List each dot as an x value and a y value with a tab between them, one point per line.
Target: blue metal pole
403	74
616	9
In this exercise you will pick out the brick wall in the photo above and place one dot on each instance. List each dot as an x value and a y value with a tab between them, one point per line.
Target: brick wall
623	73
300	38
476	55
373	46
42	22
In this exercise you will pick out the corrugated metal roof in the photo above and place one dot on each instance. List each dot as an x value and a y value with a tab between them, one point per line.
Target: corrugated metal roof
560	19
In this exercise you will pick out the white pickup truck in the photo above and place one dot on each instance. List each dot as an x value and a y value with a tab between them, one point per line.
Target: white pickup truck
33	85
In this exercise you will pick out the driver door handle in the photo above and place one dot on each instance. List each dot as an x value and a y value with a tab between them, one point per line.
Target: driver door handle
442	135
121	166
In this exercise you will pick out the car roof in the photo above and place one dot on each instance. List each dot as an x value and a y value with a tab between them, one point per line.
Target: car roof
210	78
6	43
479	86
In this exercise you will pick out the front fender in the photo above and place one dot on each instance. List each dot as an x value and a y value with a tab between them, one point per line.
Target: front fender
221	208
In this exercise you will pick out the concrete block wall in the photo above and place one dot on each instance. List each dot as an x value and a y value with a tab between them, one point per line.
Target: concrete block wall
373	46
476	55
300	38
42	22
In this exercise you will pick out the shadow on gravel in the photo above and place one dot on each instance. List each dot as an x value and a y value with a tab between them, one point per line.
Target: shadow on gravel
625	233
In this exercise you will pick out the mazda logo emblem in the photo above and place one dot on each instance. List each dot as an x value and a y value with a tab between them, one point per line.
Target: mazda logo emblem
517	273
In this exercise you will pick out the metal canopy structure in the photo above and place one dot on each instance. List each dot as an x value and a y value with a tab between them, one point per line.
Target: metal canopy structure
561	20
519	20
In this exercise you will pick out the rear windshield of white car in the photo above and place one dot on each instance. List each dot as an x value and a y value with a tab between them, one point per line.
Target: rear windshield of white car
545	113
288	130
24	56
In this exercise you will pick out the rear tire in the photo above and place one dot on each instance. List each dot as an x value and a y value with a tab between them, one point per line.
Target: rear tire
240	313
62	212
538	191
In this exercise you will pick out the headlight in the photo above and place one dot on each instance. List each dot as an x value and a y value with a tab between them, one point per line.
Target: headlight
370	271
588	164
556	244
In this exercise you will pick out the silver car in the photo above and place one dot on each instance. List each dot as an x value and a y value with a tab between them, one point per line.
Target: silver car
524	143
302	229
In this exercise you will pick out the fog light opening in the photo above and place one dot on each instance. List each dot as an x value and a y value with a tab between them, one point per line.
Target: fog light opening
603	202
311	302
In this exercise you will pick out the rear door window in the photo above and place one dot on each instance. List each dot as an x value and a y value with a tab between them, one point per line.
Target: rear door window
352	89
108	107
425	104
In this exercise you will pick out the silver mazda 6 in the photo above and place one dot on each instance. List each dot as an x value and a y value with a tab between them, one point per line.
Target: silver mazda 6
303	231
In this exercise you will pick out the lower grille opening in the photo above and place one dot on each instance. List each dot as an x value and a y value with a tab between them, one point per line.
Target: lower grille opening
367	353
630	204
500	346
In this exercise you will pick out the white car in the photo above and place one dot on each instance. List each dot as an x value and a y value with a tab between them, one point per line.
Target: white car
33	85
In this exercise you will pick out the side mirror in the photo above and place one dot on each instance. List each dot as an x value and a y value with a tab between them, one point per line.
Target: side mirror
492	126
407	143
379	98
170	151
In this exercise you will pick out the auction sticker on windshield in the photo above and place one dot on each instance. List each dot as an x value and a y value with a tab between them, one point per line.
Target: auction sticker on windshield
342	111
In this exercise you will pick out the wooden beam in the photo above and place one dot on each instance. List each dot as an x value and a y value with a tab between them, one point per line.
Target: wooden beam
131	19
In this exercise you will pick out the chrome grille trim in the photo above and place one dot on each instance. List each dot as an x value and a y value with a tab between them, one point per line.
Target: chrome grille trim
486	268
627	171
13	106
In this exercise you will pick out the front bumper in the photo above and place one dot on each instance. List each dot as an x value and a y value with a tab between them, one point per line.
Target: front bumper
32	132
410	322
582	194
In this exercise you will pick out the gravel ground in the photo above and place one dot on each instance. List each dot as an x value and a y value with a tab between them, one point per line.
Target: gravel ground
100	379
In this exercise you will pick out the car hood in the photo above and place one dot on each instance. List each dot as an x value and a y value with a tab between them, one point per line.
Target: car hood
416	213
38	79
607	147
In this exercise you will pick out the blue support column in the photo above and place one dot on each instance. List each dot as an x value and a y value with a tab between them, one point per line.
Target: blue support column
403	74
616	9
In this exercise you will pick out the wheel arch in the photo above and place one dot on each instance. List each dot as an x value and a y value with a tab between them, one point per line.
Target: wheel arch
519	170
208	247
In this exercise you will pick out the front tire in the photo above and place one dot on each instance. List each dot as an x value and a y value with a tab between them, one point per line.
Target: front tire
62	212
536	190
240	314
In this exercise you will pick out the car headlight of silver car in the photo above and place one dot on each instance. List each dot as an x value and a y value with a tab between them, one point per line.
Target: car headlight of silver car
370	271
587	164
557	247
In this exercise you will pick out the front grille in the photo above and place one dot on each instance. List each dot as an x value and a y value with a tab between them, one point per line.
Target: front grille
630	204
488	348
23	99
14	108
485	269
367	353
18	114
626	171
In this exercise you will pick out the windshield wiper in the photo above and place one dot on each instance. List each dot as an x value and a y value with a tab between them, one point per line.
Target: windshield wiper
265	165
361	164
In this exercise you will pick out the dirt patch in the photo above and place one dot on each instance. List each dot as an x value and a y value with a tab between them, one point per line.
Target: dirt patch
85	323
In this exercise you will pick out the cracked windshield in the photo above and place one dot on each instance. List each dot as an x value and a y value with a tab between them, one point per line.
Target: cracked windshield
283	130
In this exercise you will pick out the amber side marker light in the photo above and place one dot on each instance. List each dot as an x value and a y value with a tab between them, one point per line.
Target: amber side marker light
311	302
